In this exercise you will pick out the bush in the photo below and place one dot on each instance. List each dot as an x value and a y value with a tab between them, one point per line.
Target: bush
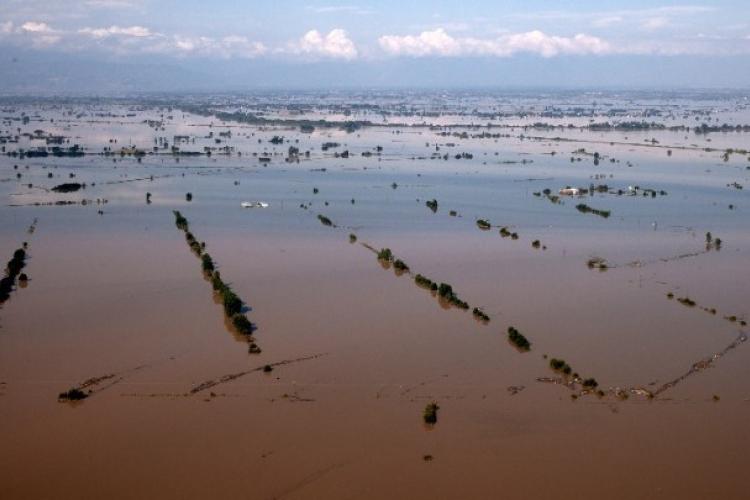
445	290
180	221
216	282
583	208
16	263
590	383
517	339
207	264
325	220
686	301
68	187
385	254
483	225
423	281
231	302
430	413
400	265
242	324
560	365
74	394
480	315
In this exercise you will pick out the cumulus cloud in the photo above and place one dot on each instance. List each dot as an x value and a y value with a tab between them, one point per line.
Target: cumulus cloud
439	43
134	31
35	27
225	47
336	44
40	35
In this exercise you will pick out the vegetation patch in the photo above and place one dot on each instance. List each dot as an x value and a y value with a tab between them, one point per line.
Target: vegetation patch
67	187
230	301
597	263
517	339
74	394
429	415
325	220
425	282
385	255
400	265
686	301
12	270
480	315
585	209
445	292
559	365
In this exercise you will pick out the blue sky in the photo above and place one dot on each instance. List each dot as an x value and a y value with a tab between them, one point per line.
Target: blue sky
387	34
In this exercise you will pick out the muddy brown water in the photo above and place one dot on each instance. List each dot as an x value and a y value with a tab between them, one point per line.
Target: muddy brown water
120	293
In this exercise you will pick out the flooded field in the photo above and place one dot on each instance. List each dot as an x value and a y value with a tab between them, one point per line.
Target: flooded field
564	276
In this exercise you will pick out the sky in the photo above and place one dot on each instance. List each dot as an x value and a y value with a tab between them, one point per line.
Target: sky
110	45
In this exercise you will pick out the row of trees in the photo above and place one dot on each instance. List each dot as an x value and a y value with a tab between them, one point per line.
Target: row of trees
12	273
230	301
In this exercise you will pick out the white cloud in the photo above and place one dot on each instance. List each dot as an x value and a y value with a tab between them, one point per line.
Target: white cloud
335	44
39	34
35	27
655	23
440	43
435	42
134	31
226	47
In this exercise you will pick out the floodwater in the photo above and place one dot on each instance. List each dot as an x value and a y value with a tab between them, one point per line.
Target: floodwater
356	350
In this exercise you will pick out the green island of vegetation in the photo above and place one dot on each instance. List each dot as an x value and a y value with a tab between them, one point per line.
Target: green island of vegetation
505	233
559	365
400	265
517	339
480	315
585	209
325	220
597	263
425	282
74	394
686	301
385	255
484	225
429	415
12	270
445	292
68	187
